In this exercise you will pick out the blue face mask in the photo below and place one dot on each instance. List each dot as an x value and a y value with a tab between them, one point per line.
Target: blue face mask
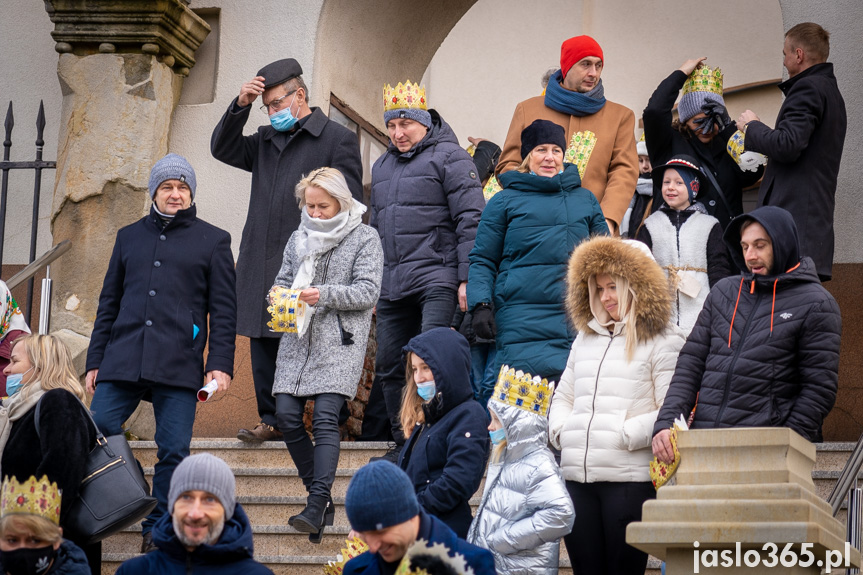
497	436
426	390
284	120
13	382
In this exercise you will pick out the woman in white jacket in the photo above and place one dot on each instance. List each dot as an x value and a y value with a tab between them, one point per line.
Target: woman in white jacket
603	411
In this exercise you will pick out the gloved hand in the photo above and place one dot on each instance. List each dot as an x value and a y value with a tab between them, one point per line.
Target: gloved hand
483	322
716	115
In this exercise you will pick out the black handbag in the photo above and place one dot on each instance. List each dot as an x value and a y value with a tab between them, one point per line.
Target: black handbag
113	494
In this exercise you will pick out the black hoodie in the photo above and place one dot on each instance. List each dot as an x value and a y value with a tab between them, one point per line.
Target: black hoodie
765	349
445	457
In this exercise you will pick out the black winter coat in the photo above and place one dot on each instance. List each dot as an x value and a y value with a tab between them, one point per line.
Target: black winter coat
664	142
445	457
804	152
426	205
163	289
277	160
59	449
762	360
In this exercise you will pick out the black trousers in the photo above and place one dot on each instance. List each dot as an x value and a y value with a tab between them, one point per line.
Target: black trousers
597	544
316	463
397	322
263	351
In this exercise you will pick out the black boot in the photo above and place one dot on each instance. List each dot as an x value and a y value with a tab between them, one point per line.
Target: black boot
329	518
312	519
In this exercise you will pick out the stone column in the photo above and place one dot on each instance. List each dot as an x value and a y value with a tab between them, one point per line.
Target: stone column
736	491
121	67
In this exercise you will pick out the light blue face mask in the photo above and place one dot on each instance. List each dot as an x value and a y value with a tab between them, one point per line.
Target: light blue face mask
426	390
13	382
497	436
284	120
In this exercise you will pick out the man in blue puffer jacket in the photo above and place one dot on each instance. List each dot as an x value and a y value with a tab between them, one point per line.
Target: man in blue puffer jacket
426	203
206	532
764	351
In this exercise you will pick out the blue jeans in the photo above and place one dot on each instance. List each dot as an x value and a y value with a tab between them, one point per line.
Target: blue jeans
398	322
174	409
483	372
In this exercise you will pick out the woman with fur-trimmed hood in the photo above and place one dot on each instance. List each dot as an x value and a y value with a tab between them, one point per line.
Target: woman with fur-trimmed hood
604	408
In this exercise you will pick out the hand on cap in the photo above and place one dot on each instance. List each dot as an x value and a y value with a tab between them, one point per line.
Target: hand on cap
690	65
250	91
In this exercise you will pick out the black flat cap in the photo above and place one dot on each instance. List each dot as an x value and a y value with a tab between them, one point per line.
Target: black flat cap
280	72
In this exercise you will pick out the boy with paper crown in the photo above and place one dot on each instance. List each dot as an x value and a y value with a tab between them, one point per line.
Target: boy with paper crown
525	507
31	539
685	241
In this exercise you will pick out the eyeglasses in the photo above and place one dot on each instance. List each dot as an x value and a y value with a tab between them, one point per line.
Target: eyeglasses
275	104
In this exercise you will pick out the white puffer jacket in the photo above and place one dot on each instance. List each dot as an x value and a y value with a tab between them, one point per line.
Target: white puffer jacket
604	408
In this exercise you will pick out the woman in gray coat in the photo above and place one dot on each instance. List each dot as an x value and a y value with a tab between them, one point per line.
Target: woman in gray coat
337	263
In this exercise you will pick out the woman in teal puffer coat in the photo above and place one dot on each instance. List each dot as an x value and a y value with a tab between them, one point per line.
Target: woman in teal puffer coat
523	243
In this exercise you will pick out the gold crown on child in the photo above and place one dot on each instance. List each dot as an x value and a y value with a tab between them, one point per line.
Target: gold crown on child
354	548
403	96
33	497
519	389
704	79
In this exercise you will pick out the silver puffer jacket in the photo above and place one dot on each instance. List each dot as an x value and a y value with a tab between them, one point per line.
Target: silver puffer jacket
525	508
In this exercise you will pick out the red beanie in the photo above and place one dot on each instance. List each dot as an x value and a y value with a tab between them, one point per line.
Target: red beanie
574	49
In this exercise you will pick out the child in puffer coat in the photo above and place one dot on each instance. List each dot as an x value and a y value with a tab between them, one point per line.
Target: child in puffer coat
525	507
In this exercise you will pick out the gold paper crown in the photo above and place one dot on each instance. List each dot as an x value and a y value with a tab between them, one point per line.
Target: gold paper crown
704	79
520	390
287	310
580	148
33	497
355	547
405	95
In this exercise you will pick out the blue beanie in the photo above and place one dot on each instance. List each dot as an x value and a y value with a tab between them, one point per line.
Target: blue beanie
380	495
172	167
421	116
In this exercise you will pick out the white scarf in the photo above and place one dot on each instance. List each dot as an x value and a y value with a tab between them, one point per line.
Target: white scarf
15	407
316	237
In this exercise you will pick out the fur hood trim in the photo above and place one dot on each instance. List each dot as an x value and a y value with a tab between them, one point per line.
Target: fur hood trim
646	280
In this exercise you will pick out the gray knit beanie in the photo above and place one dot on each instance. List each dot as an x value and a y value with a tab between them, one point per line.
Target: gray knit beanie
380	495
690	104
172	167
204	472
421	116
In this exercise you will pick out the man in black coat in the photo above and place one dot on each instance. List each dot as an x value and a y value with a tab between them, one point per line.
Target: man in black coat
170	281
765	349
805	148
298	140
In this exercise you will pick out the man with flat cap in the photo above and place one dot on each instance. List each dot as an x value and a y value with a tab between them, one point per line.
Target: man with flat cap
297	140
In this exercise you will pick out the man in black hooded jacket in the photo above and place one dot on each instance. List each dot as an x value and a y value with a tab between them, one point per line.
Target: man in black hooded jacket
765	349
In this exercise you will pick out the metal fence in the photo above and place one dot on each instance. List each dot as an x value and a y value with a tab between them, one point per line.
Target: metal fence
37	166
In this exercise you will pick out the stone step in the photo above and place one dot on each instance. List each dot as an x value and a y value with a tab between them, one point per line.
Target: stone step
269	454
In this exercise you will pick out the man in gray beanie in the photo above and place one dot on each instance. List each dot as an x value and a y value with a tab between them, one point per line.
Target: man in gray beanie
169	292
383	511
207	529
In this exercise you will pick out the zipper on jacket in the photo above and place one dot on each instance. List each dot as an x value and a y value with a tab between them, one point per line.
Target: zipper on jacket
677	291
188	563
312	324
740	343
593	405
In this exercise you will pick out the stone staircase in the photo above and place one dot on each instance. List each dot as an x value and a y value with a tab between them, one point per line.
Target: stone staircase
271	491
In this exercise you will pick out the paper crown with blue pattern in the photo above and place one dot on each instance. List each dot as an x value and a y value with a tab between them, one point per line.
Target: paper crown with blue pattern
520	389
